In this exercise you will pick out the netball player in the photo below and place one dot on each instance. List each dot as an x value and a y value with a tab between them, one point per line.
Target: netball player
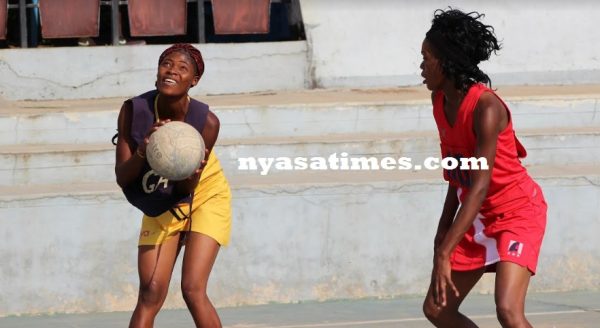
493	219
195	212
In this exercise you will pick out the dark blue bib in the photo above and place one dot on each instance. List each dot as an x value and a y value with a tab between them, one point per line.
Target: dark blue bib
150	193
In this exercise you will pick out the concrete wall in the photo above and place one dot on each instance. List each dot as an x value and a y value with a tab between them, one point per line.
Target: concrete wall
290	243
97	72
378	43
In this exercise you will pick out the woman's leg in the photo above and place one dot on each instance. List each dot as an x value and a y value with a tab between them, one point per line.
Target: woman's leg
155	266
512	281
449	316
198	259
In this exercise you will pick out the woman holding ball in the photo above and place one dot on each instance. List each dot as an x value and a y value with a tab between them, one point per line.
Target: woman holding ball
195	212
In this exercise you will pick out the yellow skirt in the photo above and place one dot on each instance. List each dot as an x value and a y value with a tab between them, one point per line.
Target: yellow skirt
211	211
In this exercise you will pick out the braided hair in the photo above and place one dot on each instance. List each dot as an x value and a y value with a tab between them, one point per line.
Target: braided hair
461	41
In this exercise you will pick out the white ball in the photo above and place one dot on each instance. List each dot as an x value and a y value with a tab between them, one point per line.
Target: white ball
175	150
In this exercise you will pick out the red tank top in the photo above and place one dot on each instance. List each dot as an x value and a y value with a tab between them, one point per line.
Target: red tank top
459	141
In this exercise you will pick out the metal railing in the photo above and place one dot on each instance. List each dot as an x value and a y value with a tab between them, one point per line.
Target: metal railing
22	6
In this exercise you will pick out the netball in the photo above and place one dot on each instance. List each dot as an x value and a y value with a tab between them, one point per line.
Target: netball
175	151
299	163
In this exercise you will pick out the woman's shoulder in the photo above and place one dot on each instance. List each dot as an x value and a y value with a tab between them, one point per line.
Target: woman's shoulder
487	97
148	95
142	100
195	103
212	119
478	89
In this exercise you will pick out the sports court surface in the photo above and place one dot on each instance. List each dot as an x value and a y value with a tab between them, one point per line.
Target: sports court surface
545	310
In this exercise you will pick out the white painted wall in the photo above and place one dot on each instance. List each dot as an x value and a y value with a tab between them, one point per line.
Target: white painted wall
377	43
76	253
98	72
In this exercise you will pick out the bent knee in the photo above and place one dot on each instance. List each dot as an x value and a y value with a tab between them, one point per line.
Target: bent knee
431	311
509	315
153	293
438	315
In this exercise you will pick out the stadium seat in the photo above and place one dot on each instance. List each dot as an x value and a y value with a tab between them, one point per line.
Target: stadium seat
241	16
157	17
3	15
69	18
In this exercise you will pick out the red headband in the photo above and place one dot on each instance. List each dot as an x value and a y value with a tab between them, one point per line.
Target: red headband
188	49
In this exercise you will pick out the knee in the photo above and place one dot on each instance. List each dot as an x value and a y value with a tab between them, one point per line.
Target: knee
509	315
193	292
152	293
431	311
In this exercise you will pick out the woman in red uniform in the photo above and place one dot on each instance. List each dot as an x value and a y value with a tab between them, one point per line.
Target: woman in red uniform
493	219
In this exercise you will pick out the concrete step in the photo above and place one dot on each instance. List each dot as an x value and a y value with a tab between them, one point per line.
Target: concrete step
300	180
81	163
307	113
544	146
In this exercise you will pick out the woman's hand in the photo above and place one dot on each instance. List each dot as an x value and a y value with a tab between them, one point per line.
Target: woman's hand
188	185
441	279
141	151
204	161
196	173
